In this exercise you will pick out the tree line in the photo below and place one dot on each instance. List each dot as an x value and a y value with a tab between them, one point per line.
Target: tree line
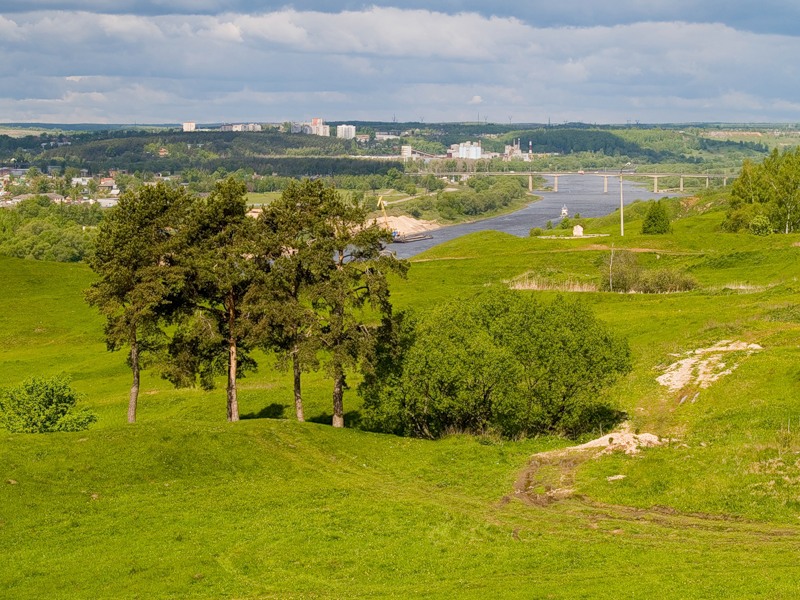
765	198
195	284
41	230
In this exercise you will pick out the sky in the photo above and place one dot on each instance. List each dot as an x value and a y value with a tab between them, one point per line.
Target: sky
521	61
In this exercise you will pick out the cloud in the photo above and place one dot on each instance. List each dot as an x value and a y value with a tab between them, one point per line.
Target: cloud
767	16
375	61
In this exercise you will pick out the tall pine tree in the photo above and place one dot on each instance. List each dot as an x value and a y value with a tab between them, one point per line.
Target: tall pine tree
139	285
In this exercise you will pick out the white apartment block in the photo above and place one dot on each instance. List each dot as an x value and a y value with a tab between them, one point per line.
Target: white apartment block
347	132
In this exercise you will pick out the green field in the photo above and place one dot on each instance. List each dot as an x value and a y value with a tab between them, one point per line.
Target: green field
186	505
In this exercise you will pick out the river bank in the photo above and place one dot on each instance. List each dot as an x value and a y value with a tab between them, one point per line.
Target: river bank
580	194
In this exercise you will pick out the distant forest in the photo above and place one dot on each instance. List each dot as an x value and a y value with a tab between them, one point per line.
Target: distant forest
296	155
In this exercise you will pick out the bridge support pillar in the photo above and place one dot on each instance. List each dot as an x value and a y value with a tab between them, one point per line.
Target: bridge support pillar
555	183
530	183
681	182
655	184
605	184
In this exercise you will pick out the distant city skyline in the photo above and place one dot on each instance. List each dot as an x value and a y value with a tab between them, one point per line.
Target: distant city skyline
241	61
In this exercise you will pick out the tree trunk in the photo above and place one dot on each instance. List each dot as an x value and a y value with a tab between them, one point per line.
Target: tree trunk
134	398
298	397
233	402
338	403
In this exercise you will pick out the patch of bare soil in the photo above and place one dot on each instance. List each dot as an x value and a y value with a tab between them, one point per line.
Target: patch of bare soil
702	367
550	476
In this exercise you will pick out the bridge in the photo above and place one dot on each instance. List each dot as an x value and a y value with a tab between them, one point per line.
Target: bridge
604	174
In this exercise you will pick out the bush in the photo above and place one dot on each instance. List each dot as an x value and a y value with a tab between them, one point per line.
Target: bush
501	362
760	225
622	273
536	232
41	405
664	281
656	220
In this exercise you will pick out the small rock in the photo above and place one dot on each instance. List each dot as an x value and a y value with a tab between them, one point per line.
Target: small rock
616	477
12	482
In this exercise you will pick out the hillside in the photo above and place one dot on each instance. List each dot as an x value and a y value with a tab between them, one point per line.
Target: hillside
184	504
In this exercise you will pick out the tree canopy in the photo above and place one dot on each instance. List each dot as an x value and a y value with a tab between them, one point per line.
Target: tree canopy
771	189
139	284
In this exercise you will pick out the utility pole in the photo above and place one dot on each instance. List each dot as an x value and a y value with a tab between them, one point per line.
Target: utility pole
621	209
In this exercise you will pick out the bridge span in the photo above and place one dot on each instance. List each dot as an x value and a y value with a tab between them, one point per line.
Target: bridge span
604	174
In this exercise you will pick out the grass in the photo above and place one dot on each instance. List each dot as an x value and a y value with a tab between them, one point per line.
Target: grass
184	504
262	198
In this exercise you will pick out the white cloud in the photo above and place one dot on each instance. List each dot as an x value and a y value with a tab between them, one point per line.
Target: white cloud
382	61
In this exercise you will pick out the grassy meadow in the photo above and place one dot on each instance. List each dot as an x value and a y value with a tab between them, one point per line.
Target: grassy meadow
186	505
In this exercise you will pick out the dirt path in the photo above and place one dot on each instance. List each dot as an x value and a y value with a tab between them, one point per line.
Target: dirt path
550	476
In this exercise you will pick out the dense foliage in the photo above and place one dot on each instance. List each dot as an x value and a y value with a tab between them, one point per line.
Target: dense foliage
484	194
199	279
41	230
43	405
500	362
770	189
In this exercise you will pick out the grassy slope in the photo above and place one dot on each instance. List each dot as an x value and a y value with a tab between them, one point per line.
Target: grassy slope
186	505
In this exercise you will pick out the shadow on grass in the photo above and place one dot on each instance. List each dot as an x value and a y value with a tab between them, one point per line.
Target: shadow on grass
351	419
273	411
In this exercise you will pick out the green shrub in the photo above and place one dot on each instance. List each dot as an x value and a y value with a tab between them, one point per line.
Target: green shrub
566	223
664	281
536	232
760	225
621	272
500	363
40	405
739	218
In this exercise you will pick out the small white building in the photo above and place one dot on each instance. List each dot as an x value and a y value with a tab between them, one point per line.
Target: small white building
577	231
189	126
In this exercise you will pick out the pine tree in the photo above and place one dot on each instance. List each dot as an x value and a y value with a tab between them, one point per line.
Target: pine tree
139	283
352	274
219	254
656	220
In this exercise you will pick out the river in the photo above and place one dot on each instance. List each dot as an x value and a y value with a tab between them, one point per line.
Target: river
580	193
